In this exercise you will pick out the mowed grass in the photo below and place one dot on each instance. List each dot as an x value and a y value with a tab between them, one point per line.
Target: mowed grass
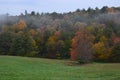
23	68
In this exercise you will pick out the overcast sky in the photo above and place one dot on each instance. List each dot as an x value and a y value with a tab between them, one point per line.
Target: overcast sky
16	7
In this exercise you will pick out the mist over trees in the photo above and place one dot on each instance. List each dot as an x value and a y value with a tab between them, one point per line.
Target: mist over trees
86	35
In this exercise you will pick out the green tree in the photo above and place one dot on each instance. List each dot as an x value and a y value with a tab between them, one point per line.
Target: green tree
115	57
24	45
6	42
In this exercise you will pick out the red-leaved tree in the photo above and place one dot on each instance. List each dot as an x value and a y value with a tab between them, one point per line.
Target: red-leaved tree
82	46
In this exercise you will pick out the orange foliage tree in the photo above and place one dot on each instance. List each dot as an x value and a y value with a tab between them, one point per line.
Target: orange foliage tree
82	46
55	46
101	50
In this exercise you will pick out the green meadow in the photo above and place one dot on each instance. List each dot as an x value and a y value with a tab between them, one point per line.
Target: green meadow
23	68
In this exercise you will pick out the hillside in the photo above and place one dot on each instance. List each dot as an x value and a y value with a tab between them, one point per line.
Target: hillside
62	35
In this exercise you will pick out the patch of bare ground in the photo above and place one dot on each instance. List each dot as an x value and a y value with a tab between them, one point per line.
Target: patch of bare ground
75	63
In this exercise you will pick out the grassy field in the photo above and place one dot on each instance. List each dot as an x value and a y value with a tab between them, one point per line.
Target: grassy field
22	68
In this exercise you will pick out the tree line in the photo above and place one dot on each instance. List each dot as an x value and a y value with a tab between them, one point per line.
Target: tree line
83	35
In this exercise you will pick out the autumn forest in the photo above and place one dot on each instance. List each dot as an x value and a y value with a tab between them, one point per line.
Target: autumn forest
91	35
